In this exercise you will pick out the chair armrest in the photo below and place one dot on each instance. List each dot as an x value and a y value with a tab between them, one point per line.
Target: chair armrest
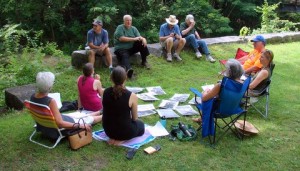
196	92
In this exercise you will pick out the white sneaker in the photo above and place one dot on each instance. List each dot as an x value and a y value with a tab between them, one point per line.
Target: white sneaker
210	59
175	55
198	55
169	57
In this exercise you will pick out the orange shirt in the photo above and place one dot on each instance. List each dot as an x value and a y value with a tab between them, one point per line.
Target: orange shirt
253	60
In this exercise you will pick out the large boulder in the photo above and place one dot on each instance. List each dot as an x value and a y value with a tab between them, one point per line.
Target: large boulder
15	96
80	57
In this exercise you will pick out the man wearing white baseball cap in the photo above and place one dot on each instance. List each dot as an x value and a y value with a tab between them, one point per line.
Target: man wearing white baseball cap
170	36
193	39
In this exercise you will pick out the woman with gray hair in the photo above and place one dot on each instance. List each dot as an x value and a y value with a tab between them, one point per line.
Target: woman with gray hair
234	71
44	83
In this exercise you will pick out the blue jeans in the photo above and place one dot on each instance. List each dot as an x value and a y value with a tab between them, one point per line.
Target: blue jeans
197	43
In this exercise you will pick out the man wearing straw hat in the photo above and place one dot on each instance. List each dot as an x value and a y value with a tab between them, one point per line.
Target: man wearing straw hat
193	39
170	36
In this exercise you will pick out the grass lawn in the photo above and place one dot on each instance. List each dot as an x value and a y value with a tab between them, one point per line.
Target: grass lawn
276	147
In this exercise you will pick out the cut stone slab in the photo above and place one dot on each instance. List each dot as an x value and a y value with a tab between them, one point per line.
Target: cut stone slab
15	96
80	57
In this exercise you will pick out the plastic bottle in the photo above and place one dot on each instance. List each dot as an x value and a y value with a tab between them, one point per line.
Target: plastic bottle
184	129
163	121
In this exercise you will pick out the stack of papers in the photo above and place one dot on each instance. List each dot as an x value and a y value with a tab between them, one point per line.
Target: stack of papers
146	97
167	113
186	110
180	97
168	104
135	89
146	110
156	90
158	130
56	97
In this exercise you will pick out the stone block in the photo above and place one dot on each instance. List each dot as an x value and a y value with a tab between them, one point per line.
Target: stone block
15	96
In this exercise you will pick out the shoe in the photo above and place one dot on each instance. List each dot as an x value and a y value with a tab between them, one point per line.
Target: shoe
175	55
169	57
198	55
111	69
210	59
130	73
146	65
253	100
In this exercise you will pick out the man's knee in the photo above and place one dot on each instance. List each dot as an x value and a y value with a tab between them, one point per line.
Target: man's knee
91	52
182	40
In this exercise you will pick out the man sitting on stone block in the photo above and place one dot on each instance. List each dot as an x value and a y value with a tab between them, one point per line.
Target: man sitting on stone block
170	37
251	62
97	43
128	41
193	39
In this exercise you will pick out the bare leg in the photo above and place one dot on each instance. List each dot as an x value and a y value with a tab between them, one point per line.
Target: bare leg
92	56
169	44
108	56
181	44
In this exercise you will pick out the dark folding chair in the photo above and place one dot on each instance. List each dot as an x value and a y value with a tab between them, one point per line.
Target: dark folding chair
263	96
225	107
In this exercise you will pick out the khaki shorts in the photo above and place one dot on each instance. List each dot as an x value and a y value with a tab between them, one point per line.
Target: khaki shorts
175	44
97	51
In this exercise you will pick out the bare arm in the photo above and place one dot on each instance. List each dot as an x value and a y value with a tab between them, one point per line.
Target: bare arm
129	39
197	35
262	75
98	87
133	102
209	94
191	26
78	100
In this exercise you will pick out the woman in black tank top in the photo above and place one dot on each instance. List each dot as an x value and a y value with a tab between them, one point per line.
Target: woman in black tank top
120	120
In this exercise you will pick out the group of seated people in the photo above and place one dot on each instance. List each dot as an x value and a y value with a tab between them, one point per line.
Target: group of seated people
117	105
128	41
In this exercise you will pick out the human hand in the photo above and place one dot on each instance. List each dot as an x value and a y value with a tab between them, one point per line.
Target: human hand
172	35
88	127
144	42
192	24
96	76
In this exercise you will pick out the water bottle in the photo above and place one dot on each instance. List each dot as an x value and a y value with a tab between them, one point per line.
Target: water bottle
184	129
163	121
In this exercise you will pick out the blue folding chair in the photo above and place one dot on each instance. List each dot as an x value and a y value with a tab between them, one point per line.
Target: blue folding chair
225	106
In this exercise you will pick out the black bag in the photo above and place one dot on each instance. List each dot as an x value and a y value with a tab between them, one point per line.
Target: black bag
181	135
68	106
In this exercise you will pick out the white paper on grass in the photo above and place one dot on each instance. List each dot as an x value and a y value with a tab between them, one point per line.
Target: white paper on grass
186	110
167	113
56	97
168	104
158	130
135	89
180	97
146	110
193	102
146	97
208	87
157	90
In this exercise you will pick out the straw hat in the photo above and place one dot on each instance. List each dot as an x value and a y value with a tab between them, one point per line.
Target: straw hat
172	20
249	128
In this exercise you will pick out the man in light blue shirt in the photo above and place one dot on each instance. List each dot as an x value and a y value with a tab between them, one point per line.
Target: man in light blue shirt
97	43
170	36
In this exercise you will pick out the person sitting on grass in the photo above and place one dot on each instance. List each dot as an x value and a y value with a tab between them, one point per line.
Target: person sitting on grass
260	79
120	119
233	71
44	83
251	62
97	43
170	37
89	90
193	39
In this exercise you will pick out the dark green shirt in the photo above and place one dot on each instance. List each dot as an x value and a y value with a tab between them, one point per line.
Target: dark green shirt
184	26
123	31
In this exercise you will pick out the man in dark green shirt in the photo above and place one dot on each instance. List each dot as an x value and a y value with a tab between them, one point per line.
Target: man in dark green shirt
128	41
193	39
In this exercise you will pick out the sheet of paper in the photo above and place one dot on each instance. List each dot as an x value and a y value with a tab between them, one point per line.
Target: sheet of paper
146	97
193	102
168	104
167	113
158	130
157	90
186	110
209	87
135	89
243	77
78	114
146	110
180	97
56	97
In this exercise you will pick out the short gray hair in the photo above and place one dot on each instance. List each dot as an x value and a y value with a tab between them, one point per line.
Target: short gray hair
44	81
127	16
234	69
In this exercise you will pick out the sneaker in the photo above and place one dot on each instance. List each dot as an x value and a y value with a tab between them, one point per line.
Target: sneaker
210	59
198	55
130	73
111	69
146	65
169	57
177	57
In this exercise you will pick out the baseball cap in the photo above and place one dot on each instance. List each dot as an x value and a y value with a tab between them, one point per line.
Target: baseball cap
259	38
97	22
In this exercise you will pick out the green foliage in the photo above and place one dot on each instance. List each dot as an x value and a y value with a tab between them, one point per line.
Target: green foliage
52	49
244	32
271	23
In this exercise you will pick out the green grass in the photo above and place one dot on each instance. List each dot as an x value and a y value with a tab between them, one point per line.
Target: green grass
276	147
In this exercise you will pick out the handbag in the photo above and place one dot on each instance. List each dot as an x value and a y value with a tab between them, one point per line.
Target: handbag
79	137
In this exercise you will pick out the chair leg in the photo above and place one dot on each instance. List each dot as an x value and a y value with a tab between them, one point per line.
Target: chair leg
49	147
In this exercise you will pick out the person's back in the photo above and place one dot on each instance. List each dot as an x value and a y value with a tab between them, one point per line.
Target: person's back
89	97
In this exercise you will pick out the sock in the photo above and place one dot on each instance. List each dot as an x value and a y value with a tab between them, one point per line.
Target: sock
110	66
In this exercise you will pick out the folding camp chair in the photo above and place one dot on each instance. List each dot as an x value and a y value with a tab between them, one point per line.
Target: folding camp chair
264	94
43	116
239	53
226	106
